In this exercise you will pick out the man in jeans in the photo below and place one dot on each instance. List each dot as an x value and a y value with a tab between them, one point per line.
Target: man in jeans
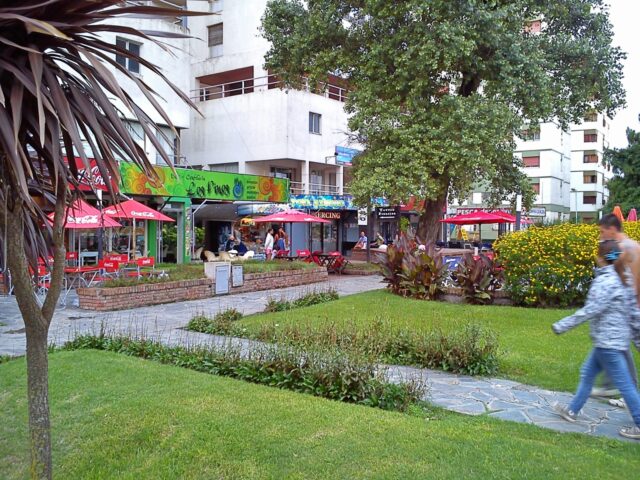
611	229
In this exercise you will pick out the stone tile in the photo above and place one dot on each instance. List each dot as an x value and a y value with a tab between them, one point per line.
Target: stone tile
475	408
514	415
502	405
564	426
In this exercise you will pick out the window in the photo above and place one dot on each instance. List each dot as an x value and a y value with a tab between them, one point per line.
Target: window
590	158
130	64
476	198
588	199
169	143
216	37
531	161
278	172
215	34
217	6
590	178
315	120
531	135
536	187
591	117
590	137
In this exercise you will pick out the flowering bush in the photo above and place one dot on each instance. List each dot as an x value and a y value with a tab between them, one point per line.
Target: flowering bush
550	266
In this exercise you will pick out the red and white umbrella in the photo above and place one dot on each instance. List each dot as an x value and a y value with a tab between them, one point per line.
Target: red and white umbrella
134	210
81	215
290	216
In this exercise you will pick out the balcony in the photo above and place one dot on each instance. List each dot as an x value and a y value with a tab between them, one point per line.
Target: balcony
300	188
260	84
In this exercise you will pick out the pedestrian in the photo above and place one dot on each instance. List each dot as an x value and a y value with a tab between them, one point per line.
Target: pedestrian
285	238
611	229
362	242
612	312
268	244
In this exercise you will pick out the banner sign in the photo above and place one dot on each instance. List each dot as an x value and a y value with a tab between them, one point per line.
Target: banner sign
536	212
186	182
363	217
345	156
465	210
388	213
322	202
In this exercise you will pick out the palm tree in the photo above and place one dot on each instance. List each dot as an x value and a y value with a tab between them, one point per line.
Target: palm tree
54	101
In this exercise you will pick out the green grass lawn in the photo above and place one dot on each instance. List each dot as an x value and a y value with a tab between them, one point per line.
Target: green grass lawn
531	352
119	417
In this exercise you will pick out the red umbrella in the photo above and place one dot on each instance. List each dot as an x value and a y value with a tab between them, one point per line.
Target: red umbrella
80	215
479	217
136	211
291	216
633	215
617	211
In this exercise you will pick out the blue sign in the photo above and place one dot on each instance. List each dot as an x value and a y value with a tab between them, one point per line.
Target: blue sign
328	202
344	155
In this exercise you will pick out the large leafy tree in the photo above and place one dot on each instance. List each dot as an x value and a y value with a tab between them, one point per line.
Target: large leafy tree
624	187
439	88
54	100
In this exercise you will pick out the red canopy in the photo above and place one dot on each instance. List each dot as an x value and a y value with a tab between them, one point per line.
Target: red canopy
633	215
137	211
82	215
476	218
291	216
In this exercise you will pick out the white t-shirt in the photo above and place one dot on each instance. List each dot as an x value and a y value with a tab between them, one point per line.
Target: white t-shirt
268	242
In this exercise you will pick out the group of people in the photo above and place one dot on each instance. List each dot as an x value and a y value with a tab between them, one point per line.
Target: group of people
361	244
613	312
275	242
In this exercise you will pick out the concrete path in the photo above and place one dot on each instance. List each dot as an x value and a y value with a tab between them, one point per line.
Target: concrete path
497	398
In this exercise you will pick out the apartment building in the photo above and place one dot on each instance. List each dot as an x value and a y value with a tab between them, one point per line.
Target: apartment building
589	172
251	124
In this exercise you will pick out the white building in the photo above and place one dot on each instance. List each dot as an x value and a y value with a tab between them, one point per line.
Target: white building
249	124
589	174
173	64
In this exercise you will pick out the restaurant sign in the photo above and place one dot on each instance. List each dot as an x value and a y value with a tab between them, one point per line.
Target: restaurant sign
329	215
388	213
186	182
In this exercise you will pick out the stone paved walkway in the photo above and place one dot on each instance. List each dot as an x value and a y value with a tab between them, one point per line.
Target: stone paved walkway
498	398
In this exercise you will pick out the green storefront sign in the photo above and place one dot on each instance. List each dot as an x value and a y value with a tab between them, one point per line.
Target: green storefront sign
200	184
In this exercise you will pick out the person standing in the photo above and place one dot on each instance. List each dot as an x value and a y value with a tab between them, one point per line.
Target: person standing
612	312
611	229
268	244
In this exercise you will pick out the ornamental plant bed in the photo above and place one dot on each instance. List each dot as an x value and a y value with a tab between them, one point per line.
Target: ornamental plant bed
143	294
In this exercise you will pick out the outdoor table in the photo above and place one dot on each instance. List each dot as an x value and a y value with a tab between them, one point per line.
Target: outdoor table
325	260
78	277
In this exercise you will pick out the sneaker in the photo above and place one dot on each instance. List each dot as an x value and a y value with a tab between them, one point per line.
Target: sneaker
605	392
631	432
565	413
618	402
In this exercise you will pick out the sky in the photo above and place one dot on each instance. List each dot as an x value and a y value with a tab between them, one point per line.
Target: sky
624	15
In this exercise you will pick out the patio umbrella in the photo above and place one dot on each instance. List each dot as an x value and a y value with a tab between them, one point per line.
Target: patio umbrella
479	217
633	215
80	215
133	210
617	211
290	216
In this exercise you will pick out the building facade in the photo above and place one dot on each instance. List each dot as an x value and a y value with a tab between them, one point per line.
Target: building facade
251	124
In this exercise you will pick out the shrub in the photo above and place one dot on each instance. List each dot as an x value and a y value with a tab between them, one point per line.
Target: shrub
221	324
472	350
328	374
549	266
306	300
478	278
413	270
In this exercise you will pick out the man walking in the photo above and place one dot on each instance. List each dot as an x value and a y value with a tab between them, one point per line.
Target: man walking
611	229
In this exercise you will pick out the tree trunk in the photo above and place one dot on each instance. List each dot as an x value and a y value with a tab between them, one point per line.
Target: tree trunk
429	223
36	328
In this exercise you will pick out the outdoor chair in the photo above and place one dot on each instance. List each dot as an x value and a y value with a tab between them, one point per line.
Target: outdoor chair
339	264
43	281
304	255
282	253
71	259
109	269
147	267
314	257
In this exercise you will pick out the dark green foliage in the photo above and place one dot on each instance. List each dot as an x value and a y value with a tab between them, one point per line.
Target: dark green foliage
328	374
473	350
478	278
306	300
623	187
221	324
438	89
412	271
